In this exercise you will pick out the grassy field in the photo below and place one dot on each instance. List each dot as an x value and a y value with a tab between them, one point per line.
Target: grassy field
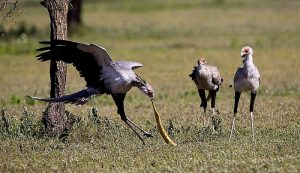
167	38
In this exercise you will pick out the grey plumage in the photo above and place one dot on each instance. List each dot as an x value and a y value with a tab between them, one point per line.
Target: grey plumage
126	65
247	78
206	78
101	73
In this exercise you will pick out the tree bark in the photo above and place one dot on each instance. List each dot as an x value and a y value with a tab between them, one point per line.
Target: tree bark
53	118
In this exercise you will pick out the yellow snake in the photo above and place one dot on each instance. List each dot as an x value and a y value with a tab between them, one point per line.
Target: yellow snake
162	131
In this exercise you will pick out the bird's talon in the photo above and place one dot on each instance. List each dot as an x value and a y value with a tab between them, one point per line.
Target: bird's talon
148	135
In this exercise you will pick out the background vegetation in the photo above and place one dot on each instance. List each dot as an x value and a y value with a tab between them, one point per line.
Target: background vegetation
167	37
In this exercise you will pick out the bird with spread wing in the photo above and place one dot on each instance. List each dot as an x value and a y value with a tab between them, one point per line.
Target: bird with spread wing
101	73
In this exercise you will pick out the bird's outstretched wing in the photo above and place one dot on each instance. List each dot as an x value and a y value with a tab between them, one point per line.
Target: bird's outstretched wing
88	59
128	65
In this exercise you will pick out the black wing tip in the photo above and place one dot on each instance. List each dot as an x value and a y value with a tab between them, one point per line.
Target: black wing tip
43	59
44	56
44	42
39	56
43	48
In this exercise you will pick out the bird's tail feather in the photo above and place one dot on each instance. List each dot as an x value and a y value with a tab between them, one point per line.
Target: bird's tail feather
78	98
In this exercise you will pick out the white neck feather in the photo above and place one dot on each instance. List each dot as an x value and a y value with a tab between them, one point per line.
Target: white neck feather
248	60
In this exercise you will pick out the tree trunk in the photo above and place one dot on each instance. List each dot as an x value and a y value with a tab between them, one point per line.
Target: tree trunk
53	118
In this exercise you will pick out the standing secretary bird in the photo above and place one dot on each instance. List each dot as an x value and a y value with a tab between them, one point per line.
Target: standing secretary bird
206	78
101	73
247	78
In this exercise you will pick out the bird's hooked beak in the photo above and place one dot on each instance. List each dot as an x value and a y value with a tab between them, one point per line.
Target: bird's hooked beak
150	91
244	54
147	89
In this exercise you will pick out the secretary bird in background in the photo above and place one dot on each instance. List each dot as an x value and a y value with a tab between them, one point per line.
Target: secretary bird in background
247	78
206	78
101	73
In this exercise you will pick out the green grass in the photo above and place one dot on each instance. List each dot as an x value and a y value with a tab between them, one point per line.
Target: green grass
167	38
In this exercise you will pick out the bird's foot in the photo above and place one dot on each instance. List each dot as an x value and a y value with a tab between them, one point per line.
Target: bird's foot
148	134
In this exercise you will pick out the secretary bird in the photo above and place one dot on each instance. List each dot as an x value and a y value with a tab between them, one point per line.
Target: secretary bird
206	78
101	73
247	78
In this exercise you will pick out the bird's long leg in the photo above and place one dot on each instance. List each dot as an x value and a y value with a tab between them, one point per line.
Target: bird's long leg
213	94
137	134
119	100
236	103
203	104
142	130
253	96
